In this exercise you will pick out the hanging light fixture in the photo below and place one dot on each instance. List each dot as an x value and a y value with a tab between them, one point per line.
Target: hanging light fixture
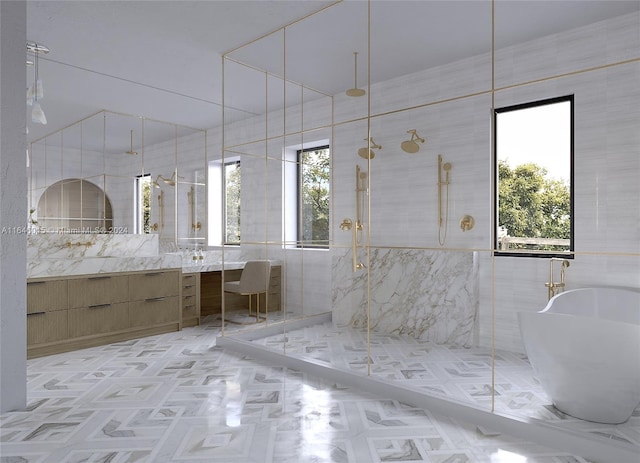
35	92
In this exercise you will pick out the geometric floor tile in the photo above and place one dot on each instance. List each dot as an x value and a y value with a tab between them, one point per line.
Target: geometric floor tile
177	397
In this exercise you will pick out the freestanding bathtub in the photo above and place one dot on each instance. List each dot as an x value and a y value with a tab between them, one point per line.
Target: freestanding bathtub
584	347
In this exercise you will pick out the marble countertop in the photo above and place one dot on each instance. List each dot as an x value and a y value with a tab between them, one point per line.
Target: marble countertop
197	267
55	267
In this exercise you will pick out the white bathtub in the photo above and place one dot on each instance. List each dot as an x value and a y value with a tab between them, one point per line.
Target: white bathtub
584	348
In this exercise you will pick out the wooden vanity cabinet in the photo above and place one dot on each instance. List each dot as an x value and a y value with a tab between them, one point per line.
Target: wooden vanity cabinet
47	317
190	299
154	298
83	311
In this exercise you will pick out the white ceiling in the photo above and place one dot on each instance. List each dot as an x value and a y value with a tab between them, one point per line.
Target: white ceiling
162	59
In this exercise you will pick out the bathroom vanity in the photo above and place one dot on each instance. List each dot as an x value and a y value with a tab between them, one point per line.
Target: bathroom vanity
75	312
90	290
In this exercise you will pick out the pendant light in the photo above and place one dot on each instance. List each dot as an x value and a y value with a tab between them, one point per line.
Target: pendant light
35	93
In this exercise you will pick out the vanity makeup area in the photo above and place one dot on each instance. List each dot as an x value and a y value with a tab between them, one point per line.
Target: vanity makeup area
116	235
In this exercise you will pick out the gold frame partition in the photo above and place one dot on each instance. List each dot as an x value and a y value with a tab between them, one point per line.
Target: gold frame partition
489	92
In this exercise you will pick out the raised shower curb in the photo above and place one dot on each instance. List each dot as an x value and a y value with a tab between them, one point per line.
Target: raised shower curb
590	446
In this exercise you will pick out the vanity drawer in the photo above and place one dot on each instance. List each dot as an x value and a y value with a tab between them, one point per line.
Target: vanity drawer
154	284
189	309
43	327
189	278
98	319
189	290
46	296
154	311
91	291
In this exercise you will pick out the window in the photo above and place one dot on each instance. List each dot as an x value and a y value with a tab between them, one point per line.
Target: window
314	175
143	204
232	181
534	178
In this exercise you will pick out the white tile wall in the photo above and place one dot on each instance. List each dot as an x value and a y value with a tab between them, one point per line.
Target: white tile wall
404	191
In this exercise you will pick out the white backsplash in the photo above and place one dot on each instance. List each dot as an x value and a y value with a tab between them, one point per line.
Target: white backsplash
72	246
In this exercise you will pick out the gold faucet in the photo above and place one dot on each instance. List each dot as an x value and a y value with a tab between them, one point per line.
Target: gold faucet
69	244
556	287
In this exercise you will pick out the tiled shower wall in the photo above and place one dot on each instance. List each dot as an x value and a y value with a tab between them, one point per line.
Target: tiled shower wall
590	62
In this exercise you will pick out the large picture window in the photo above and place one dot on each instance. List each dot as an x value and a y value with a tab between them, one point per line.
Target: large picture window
142	205
534	178
314	176
232	182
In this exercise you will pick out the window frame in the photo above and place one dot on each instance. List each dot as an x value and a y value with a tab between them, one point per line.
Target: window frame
300	242
224	166
138	211
569	254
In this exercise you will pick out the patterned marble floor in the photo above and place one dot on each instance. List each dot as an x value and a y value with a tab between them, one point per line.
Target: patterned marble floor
178	397
461	373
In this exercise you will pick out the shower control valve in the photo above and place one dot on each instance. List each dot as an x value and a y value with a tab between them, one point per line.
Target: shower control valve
346	225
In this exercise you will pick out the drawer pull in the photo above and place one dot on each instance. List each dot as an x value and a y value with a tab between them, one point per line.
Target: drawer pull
36	282
188	297
98	278
35	313
187	307
187	286
99	306
155	299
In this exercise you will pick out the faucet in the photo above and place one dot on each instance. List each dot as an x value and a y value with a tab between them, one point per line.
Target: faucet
556	287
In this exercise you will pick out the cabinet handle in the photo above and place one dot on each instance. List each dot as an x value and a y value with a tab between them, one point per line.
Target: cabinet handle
99	306
188	297
35	313
187	307
155	299
36	282
98	278
187	286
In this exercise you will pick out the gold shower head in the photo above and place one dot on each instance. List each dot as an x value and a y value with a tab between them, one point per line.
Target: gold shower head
367	152
131	152
411	146
355	91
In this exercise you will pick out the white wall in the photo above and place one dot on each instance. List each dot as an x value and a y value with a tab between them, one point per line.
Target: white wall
13	207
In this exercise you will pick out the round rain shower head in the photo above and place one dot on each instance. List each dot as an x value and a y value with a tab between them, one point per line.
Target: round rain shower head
131	152
366	153
355	91
410	146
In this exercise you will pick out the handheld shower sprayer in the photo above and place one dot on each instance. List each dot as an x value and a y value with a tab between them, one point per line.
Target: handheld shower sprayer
442	221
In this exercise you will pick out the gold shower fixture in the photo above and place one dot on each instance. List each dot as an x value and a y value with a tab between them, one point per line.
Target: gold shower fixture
411	146
366	152
355	91
443	184
169	181
131	152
